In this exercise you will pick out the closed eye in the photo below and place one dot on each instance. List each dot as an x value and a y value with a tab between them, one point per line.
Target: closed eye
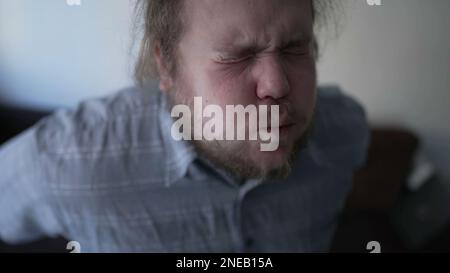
297	50
233	60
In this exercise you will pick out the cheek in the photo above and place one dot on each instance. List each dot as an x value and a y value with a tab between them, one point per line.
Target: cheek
229	86
303	87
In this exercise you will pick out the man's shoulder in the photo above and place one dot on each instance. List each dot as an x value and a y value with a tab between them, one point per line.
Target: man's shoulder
341	128
102	143
96	113
98	122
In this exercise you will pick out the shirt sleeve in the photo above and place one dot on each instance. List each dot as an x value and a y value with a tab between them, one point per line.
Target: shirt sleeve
27	209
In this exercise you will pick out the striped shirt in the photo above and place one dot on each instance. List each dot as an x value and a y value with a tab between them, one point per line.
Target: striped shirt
108	175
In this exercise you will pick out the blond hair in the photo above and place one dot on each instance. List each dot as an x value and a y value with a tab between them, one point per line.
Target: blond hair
162	25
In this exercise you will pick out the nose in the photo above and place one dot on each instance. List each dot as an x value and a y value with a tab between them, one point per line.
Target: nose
271	77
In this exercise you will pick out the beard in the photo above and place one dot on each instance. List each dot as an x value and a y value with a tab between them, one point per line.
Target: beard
234	156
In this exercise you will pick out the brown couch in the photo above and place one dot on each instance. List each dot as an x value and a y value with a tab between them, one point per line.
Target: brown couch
381	208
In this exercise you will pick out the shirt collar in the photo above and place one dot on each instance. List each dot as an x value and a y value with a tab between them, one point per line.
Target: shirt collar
316	154
179	154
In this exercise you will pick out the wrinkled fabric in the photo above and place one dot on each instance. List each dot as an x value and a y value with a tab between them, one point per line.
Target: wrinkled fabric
109	175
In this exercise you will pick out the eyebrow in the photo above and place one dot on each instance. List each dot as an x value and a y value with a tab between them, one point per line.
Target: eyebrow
252	47
241	50
297	42
236	47
300	38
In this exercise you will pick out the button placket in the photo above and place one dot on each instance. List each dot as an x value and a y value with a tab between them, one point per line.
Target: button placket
243	243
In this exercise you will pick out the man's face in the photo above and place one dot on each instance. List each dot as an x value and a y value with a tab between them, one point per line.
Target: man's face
252	52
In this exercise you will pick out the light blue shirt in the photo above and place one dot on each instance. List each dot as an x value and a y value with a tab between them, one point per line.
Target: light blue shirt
109	175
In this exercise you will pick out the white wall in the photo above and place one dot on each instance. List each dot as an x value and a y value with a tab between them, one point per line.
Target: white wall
53	54
395	59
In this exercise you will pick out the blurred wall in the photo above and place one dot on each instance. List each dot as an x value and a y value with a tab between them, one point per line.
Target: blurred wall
53	54
394	58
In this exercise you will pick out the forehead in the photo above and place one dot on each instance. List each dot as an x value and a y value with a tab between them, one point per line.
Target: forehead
228	22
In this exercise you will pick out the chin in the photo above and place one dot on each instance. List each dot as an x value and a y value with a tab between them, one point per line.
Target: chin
275	159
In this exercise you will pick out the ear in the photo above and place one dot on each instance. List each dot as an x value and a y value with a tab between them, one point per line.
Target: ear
165	78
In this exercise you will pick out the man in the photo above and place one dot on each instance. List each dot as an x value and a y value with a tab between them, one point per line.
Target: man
111	176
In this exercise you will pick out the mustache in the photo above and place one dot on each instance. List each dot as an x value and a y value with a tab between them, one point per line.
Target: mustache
288	115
